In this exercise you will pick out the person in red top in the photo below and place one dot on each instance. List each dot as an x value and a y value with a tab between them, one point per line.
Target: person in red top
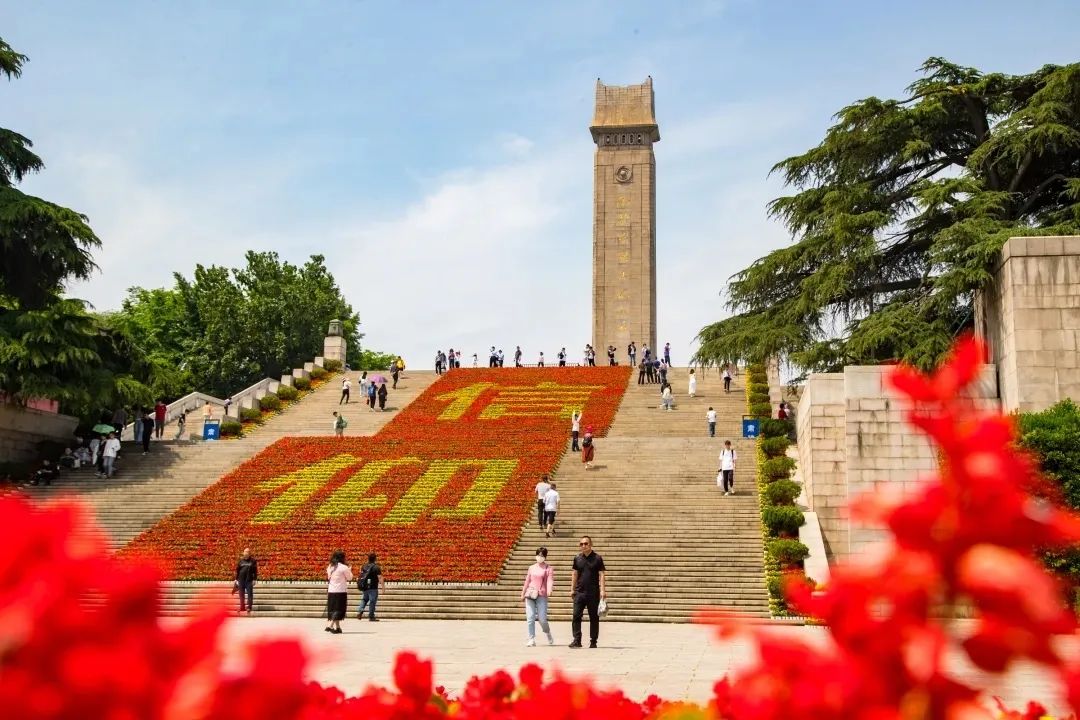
159	419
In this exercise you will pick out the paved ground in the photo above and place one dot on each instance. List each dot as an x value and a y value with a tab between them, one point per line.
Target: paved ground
673	661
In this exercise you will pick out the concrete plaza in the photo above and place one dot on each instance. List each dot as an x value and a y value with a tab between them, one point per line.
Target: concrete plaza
672	661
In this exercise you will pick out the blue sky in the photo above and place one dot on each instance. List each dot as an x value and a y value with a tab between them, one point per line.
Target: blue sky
439	156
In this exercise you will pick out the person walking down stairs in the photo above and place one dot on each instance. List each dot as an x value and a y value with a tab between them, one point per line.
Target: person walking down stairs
728	458
247	572
541	489
588	452
539	583
551	508
710	418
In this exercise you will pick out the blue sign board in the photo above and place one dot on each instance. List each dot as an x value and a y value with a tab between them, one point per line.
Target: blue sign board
751	427
210	430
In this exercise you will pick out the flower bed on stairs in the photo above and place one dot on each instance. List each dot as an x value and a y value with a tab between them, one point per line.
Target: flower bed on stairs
441	493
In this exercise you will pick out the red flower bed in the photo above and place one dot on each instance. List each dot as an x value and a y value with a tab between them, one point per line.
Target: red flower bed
450	477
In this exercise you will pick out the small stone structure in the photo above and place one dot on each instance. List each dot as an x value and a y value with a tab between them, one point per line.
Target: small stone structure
1029	315
624	216
334	344
22	428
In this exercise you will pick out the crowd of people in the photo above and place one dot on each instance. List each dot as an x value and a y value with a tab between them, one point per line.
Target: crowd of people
451	359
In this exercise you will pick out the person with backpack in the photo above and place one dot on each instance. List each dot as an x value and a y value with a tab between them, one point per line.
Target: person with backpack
340	423
369	584
382	397
728	457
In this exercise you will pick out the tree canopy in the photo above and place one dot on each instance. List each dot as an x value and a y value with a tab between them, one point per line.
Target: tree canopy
899	215
225	329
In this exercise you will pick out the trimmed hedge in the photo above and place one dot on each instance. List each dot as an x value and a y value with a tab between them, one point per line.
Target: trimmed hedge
759	398
756	368
782	492
318	372
332	365
771	427
287	392
761	410
777	468
253	414
270	402
302	383
774	446
231	428
761	388
786	519
788	552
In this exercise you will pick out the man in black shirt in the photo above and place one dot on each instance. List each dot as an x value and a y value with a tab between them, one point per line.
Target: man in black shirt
247	572
369	583
587	590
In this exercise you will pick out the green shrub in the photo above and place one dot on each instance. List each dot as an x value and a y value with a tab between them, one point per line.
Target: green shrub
270	402
774	583
771	427
786	519
757	367
758	398
788	552
287	392
782	492
318	372
758	387
777	468
254	414
1054	436
761	410
302	383
774	446
231	428
332	365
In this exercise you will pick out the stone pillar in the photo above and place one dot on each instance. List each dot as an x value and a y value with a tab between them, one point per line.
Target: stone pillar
334	344
624	217
1029	316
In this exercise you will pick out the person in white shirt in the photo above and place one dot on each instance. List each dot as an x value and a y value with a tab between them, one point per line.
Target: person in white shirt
665	397
728	457
551	506
710	417
727	378
540	362
562	357
112	449
345	387
541	490
693	384
575	430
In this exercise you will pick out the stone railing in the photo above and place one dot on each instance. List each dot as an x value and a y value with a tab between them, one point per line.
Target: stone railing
247	398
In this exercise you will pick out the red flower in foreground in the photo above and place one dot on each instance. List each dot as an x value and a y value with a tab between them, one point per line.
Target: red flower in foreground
971	536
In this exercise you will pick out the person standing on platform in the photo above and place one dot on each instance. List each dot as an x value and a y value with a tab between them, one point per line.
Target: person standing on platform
641	373
728	458
540	362
502	357
517	357
338	577
631	350
247	572
438	362
539	583
541	490
575	431
611	355
667	354
562	357
370	583
587	589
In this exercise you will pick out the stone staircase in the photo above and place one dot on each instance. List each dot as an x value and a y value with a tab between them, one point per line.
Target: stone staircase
671	542
148	487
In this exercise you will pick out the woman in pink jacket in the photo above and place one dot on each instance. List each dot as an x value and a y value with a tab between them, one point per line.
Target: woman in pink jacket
539	582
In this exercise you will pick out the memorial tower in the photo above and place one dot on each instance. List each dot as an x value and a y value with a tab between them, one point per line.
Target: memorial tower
624	217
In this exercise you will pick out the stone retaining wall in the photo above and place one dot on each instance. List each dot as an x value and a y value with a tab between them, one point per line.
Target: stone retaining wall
21	429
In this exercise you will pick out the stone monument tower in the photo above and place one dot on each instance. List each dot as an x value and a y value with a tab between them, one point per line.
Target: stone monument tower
624	217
